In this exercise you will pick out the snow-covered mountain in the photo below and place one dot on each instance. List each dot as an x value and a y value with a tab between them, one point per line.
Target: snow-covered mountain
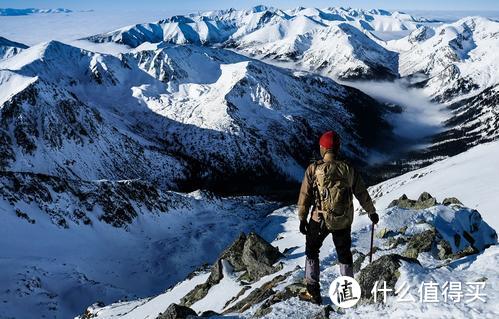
93	147
330	40
417	232
23	12
457	58
455	64
171	115
67	243
10	48
339	51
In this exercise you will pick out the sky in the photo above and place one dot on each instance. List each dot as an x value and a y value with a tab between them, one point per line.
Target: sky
194	5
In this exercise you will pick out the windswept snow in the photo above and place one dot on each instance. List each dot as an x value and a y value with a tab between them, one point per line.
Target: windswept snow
10	48
52	271
92	143
472	177
281	228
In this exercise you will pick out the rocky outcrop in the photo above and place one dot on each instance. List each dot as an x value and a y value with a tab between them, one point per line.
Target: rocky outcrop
451	201
384	269
425	200
249	254
456	233
118	202
260	294
422	242
175	311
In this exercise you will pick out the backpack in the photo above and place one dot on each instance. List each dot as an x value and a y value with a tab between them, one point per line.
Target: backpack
334	194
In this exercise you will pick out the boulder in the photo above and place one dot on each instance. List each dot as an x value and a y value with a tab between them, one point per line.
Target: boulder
424	201
259	257
382	269
451	201
209	313
175	311
249	254
463	230
422	242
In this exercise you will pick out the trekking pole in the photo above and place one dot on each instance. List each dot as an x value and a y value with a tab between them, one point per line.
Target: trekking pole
372	239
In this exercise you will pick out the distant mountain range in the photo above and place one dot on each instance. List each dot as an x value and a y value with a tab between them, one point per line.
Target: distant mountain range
28	11
95	149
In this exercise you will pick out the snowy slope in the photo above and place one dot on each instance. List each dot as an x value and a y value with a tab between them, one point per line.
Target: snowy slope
68	243
457	58
172	114
282	229
10	48
293	35
472	177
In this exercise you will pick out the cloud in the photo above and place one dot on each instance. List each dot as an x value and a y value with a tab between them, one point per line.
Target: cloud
420	117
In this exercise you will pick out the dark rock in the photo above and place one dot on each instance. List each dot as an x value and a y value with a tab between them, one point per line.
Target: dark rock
451	201
382	269
209	313
385	233
419	243
258	295
290	291
325	312
175	311
236	297
358	261
425	200
444	249
259	257
395	241
251	254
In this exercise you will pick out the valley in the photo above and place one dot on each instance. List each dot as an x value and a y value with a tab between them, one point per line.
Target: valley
131	158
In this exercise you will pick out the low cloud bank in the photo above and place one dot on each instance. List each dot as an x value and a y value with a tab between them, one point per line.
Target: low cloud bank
420	117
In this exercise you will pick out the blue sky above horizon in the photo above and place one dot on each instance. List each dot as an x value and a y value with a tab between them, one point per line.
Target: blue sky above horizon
195	5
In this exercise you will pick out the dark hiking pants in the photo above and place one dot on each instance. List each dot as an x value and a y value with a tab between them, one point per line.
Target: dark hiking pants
316	234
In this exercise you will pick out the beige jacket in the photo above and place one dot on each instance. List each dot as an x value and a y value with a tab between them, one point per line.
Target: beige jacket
307	198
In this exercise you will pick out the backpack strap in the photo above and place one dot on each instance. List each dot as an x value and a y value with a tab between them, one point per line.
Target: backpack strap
315	187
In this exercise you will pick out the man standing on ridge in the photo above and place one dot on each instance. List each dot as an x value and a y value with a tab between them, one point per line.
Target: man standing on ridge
328	187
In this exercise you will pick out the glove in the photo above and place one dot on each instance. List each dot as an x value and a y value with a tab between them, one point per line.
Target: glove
303	227
374	218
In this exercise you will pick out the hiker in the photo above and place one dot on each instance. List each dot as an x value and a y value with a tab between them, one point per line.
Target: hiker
328	187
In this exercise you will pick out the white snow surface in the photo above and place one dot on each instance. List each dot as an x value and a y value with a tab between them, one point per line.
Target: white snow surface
451	53
281	228
54	272
472	177
182	94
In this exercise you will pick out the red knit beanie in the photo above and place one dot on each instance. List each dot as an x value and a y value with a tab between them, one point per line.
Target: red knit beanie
330	140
